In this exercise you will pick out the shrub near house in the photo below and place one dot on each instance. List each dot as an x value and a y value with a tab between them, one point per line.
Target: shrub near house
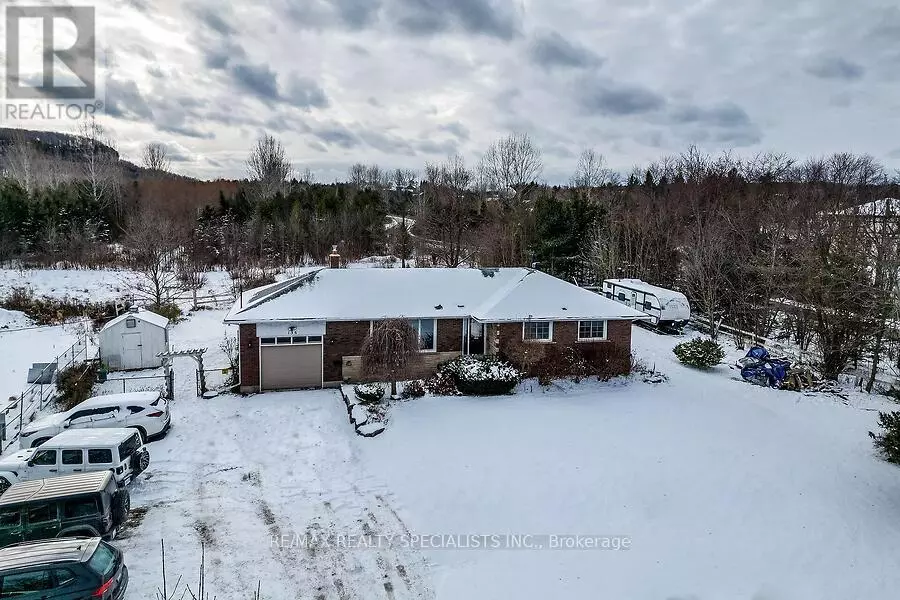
483	375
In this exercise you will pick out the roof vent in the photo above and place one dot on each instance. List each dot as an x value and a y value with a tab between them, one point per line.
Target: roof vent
439	307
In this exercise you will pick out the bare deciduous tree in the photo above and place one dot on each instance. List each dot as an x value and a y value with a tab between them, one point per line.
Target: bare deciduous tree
390	351
101	175
156	157
513	164
269	167
704	264
591	171
448	210
152	243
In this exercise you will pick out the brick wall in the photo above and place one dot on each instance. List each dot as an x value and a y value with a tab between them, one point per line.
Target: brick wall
344	340
614	352
249	356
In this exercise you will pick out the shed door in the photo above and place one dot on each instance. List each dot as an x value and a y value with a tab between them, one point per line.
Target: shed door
290	367
132	351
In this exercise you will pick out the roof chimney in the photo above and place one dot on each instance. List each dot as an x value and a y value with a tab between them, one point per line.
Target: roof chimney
334	259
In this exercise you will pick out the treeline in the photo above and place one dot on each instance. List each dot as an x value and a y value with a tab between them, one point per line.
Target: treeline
767	244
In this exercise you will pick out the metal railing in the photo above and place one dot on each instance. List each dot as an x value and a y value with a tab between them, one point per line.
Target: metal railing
38	396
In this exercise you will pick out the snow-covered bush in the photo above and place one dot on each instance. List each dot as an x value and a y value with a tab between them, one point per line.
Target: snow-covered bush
369	393
441	384
888	441
700	353
482	376
413	389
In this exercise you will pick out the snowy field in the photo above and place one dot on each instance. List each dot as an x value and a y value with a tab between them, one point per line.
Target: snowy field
99	285
20	348
721	489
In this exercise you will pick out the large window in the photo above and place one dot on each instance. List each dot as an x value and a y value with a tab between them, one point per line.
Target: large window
537	331
20	585
302	340
427	330
591	330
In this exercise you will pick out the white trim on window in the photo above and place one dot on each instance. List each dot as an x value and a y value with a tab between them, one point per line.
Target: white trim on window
416	324
297	340
538	340
592	325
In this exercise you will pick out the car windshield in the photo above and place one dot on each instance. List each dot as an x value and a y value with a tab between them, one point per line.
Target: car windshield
103	561
129	446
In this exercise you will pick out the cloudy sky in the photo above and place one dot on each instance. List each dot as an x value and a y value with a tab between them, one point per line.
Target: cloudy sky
404	82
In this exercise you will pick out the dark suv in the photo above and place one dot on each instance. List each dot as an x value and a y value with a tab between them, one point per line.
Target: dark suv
69	569
86	504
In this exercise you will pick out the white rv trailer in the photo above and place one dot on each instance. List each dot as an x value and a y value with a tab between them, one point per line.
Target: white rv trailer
666	308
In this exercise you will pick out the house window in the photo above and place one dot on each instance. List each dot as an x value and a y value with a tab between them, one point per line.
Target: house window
427	330
131	323
648	305
537	331
591	330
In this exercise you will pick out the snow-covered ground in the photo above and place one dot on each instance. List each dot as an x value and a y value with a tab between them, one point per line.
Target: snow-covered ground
724	490
99	285
20	348
718	489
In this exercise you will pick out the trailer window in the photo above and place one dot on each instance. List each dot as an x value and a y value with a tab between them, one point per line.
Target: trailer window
621	297
591	330
648	306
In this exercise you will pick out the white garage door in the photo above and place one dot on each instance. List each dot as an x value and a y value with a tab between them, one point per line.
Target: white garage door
290	363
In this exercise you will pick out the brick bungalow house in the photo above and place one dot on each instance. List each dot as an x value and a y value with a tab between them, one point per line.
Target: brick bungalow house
307	332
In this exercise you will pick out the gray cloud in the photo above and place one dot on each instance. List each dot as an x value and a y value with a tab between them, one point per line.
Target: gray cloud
457	129
726	114
387	143
443	148
125	101
894	153
258	80
724	123
481	17
317	14
336	135
211	17
187	131
615	99
549	50
835	68
305	93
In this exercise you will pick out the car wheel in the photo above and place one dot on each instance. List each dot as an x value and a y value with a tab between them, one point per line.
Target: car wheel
4	484
140	462
121	507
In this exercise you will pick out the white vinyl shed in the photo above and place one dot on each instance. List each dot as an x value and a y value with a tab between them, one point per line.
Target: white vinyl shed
134	340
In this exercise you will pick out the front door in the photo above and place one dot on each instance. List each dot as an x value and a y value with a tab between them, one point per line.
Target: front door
633	303
131	351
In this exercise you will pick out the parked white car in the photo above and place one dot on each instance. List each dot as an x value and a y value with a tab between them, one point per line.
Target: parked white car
148	412
118	450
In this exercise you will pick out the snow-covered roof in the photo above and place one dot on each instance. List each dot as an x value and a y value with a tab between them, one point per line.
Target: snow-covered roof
143	315
664	295
488	295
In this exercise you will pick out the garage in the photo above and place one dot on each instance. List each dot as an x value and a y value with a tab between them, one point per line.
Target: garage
290	363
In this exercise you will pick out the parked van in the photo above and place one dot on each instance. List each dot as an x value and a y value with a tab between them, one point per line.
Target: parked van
79	451
85	504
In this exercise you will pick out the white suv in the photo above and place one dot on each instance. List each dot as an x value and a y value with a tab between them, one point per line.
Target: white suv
79	451
148	412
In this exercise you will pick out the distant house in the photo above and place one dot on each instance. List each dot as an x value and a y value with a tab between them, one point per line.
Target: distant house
307	332
133	341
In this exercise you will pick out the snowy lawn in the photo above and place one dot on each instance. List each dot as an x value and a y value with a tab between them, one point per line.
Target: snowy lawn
725	490
19	349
